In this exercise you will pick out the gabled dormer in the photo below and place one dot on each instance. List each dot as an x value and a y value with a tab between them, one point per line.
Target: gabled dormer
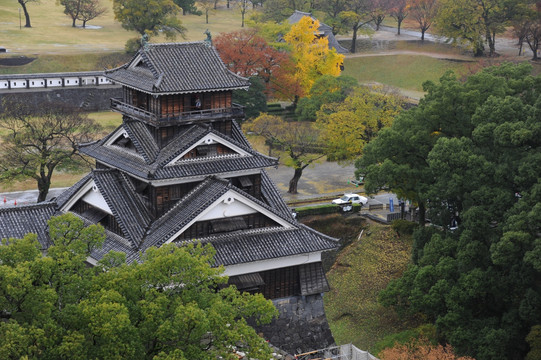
169	84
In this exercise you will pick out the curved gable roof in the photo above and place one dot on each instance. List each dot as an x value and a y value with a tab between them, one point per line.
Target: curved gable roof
173	68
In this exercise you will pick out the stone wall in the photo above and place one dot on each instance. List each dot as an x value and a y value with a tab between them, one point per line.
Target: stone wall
301	326
91	98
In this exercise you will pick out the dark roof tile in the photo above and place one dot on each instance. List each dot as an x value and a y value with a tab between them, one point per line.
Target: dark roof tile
127	208
177	68
17	221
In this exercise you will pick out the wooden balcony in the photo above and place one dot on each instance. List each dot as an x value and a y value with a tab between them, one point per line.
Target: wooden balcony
187	117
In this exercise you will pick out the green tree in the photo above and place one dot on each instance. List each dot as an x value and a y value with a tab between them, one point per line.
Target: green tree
356	15
476	21
150	17
166	307
188	7
39	140
332	10
326	89
298	140
254	99
471	151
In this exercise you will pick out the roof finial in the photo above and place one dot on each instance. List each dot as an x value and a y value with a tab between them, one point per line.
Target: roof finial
208	40
144	42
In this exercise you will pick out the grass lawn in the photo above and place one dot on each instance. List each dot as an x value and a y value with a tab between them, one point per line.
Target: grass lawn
401	71
361	271
59	47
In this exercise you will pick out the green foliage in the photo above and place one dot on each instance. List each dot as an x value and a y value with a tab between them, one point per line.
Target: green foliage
404	227
534	340
168	306
346	126
326	89
149	17
254	100
476	22
360	272
470	151
425	331
188	7
132	46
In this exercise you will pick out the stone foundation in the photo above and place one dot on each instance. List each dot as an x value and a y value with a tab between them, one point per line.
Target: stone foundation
90	98
301	325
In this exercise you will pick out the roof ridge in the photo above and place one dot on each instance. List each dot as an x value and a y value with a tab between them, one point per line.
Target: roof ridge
196	189
28	206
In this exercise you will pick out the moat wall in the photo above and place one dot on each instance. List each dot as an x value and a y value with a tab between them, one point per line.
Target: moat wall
301	325
90	98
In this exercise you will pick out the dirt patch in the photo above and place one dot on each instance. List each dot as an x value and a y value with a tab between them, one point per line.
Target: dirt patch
16	61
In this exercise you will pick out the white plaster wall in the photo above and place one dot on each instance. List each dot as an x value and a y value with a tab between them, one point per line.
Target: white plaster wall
265	265
71	81
36	83
51	82
94	198
18	83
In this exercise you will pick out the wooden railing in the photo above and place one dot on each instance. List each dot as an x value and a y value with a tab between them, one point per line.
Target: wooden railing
187	116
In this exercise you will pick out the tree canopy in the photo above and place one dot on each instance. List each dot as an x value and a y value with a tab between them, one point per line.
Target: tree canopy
311	54
41	139
149	17
169	306
299	141
248	54
476	21
347	125
326	89
470	152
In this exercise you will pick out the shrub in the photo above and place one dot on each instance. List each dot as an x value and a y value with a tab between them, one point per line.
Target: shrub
404	227
426	332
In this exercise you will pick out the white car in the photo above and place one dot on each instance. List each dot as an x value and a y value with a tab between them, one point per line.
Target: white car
351	198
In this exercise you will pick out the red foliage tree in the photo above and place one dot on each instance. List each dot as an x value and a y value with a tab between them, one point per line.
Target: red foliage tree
248	54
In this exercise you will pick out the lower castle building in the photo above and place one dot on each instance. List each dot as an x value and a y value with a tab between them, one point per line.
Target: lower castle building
180	170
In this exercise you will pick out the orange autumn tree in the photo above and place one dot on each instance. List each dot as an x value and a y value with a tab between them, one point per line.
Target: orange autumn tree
421	349
248	54
311	53
423	12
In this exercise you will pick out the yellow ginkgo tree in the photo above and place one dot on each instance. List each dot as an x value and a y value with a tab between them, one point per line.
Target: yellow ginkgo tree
311	53
348	125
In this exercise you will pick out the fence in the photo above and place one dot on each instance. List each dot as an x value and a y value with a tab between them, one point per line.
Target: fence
342	352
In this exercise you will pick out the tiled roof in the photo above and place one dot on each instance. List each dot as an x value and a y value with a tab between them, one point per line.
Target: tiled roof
112	242
17	221
141	164
142	140
266	244
243	246
312	279
64	197
127	208
273	197
187	209
177	68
